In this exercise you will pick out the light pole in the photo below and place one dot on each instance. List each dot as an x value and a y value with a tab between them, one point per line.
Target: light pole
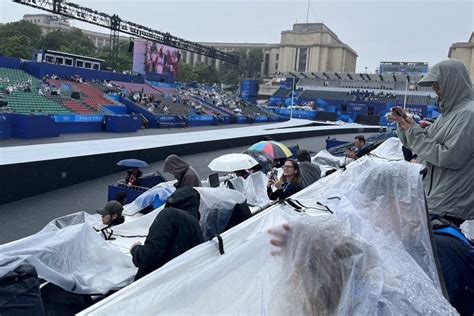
405	98
292	96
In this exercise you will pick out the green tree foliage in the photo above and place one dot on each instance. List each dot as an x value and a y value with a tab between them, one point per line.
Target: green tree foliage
69	41
18	39
17	46
185	73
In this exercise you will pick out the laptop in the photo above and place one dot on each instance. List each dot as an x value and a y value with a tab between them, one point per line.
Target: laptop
214	180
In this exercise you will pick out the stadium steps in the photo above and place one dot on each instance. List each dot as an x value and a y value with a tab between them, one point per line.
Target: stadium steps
28	102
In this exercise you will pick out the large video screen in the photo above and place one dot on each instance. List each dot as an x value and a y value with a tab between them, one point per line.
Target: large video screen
150	57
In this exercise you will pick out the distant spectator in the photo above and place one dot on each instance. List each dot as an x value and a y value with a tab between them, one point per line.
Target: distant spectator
174	231
112	214
133	177
309	172
288	184
182	171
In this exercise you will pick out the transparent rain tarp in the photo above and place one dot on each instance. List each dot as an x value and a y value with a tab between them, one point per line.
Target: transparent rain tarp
161	191
254	188
216	206
372	256
75	258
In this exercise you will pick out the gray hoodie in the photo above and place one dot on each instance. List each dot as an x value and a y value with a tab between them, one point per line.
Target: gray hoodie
446	148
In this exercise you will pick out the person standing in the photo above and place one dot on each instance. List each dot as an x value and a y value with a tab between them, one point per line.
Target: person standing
446	148
182	171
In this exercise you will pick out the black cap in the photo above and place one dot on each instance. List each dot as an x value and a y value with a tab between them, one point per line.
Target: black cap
112	207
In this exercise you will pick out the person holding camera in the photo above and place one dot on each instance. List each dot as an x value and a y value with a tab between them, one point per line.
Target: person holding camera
446	147
288	184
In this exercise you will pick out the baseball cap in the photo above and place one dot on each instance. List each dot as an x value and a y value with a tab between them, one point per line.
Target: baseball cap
112	207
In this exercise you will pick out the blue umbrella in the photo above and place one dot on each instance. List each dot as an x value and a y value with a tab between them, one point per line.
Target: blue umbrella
132	163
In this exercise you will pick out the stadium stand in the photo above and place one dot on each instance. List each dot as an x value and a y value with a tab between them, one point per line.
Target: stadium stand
21	93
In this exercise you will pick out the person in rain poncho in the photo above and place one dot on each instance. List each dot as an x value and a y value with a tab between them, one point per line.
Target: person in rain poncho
309	172
446	148
182	171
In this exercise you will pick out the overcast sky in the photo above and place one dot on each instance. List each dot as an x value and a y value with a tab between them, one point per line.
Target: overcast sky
378	30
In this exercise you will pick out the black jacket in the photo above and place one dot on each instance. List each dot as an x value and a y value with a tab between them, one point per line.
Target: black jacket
286	191
173	232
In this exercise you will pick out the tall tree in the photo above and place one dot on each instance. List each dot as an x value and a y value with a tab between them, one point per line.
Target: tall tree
16	46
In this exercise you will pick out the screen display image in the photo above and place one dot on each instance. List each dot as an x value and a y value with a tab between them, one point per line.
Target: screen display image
161	59
150	57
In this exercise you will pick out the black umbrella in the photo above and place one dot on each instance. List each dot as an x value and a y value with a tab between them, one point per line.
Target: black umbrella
263	159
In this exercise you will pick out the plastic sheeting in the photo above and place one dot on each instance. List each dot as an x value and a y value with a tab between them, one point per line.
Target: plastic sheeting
75	258
327	162
161	191
372	256
73	219
216	206
254	188
390	149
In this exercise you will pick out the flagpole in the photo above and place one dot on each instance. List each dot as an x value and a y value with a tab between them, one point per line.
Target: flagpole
292	96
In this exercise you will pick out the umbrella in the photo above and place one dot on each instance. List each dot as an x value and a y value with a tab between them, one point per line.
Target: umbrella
263	160
232	162
132	163
274	149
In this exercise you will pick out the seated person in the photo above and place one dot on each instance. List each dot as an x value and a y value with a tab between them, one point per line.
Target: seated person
182	171
309	172
174	231
359	148
288	184
112	214
133	176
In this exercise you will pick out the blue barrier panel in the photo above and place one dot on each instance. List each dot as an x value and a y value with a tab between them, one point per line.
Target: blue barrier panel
10	62
77	118
6	125
122	123
249	88
260	119
115	97
357	107
171	121
79	127
224	119
34	126
39	70
201	120
117	109
243	119
309	115
135	108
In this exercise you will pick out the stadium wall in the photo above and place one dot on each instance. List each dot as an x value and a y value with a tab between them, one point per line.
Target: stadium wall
39	70
9	62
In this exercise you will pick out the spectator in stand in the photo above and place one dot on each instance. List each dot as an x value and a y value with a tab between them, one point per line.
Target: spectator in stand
182	171
309	172
112	214
174	231
446	148
288	184
359	148
133	177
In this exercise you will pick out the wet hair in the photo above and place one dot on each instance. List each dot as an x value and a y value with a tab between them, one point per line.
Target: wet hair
303	155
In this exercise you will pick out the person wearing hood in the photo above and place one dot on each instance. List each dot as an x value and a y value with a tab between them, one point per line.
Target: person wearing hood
174	231
309	172
182	171
446	148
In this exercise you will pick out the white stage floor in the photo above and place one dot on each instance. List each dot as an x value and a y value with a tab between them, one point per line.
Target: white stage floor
42	152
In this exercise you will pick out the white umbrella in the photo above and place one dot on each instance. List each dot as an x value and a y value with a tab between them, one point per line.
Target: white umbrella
232	162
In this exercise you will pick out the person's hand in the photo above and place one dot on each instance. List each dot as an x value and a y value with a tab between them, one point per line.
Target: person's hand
134	245
279	237
404	121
